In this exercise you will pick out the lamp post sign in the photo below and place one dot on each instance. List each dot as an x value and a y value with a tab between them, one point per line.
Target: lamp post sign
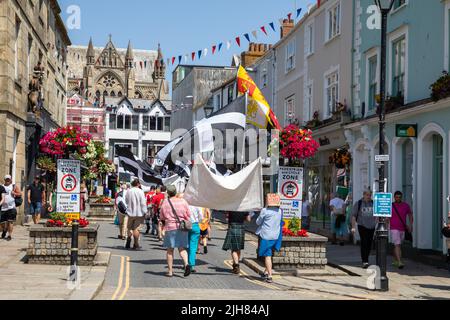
68	191
290	188
382	205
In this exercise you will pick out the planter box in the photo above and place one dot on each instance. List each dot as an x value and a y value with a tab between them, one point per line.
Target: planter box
52	245
100	210
302	253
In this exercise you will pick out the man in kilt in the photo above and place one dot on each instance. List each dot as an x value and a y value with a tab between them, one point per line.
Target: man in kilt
235	238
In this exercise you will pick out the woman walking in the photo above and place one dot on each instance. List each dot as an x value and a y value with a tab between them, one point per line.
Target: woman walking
269	231
363	216
235	239
194	235
173	211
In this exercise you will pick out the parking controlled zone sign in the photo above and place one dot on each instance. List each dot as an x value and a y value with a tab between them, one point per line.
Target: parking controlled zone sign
68	188
290	188
382	205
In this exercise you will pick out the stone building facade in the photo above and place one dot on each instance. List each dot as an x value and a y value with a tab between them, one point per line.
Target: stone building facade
31	31
97	73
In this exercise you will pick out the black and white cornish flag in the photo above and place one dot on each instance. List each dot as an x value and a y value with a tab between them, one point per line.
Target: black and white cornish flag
128	162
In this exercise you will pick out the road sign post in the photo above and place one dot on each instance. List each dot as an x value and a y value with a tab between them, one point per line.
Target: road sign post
68	202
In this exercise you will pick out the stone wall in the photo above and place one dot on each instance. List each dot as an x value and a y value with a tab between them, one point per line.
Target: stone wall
302	253
101	210
53	245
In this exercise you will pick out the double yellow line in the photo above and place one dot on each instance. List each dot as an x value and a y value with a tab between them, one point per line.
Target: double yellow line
121	279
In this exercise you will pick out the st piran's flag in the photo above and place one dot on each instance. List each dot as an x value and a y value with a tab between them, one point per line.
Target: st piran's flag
139	169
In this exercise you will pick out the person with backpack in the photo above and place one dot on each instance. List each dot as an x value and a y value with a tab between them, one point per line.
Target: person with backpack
121	209
12	198
362	216
399	229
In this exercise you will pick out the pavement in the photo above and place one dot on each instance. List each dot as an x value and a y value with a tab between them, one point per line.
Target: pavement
21	281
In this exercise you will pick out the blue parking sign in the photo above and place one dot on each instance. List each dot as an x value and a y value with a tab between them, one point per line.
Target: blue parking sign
296	204
382	205
74	197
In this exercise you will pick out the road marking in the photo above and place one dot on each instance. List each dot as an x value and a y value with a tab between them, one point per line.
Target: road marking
119	284
247	277
127	280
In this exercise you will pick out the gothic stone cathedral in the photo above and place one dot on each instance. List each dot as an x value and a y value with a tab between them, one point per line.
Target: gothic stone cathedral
98	73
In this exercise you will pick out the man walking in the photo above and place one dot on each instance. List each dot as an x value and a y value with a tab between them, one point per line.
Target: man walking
36	198
398	226
136	210
8	208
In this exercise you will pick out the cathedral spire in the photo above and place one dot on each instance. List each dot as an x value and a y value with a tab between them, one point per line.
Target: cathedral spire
129	57
160	67
90	55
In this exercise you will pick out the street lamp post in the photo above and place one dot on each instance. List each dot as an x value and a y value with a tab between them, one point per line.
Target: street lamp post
385	6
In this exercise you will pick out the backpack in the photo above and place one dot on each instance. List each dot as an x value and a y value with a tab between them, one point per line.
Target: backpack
121	206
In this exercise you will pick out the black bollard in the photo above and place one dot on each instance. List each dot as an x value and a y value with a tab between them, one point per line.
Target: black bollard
74	252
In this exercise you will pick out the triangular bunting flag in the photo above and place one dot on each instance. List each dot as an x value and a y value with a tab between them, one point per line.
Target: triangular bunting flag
193	56
247	37
214	49
228	45
145	64
318	3
168	61
220	46
179	59
255	34
289	16
264	30
272	25
186	58
199	54
173	60
205	52
298	12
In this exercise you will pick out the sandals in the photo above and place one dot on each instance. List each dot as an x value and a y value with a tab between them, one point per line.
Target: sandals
169	275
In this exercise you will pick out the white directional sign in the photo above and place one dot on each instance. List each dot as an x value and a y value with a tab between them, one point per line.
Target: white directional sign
290	188
68	190
382	158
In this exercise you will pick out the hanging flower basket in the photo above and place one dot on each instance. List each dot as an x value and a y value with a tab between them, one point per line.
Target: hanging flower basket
341	158
297	144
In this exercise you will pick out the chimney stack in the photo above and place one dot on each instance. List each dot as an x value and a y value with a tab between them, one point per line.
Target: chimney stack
287	27
255	51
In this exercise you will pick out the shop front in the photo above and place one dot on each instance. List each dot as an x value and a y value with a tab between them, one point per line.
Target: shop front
323	176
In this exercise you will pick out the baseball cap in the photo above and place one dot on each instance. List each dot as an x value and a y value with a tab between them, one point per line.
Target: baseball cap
8	177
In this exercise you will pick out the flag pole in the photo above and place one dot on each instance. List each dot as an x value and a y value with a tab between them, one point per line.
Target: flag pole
243	144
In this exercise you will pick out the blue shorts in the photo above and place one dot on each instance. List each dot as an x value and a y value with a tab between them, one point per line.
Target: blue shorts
266	248
35	208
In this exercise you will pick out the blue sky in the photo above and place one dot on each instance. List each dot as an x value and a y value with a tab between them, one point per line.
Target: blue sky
181	26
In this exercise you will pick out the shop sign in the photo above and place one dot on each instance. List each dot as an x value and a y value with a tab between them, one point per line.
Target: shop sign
406	130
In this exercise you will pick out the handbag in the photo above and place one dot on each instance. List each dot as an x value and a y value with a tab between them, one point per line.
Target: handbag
184	225
408	235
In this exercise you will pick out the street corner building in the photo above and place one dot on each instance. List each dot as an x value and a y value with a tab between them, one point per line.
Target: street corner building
33	77
121	97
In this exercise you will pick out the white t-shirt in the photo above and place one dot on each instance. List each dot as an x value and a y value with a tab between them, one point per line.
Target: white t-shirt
305	209
9	202
338	204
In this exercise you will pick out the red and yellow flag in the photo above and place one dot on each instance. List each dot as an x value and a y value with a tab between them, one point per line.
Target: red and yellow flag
259	112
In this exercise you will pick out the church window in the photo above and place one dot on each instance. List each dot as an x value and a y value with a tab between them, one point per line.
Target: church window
120	94
105	93
98	94
113	94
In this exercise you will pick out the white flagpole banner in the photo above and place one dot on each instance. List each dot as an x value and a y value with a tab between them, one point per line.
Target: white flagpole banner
240	192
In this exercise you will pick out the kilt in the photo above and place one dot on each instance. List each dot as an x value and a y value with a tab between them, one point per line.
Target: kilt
235	238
